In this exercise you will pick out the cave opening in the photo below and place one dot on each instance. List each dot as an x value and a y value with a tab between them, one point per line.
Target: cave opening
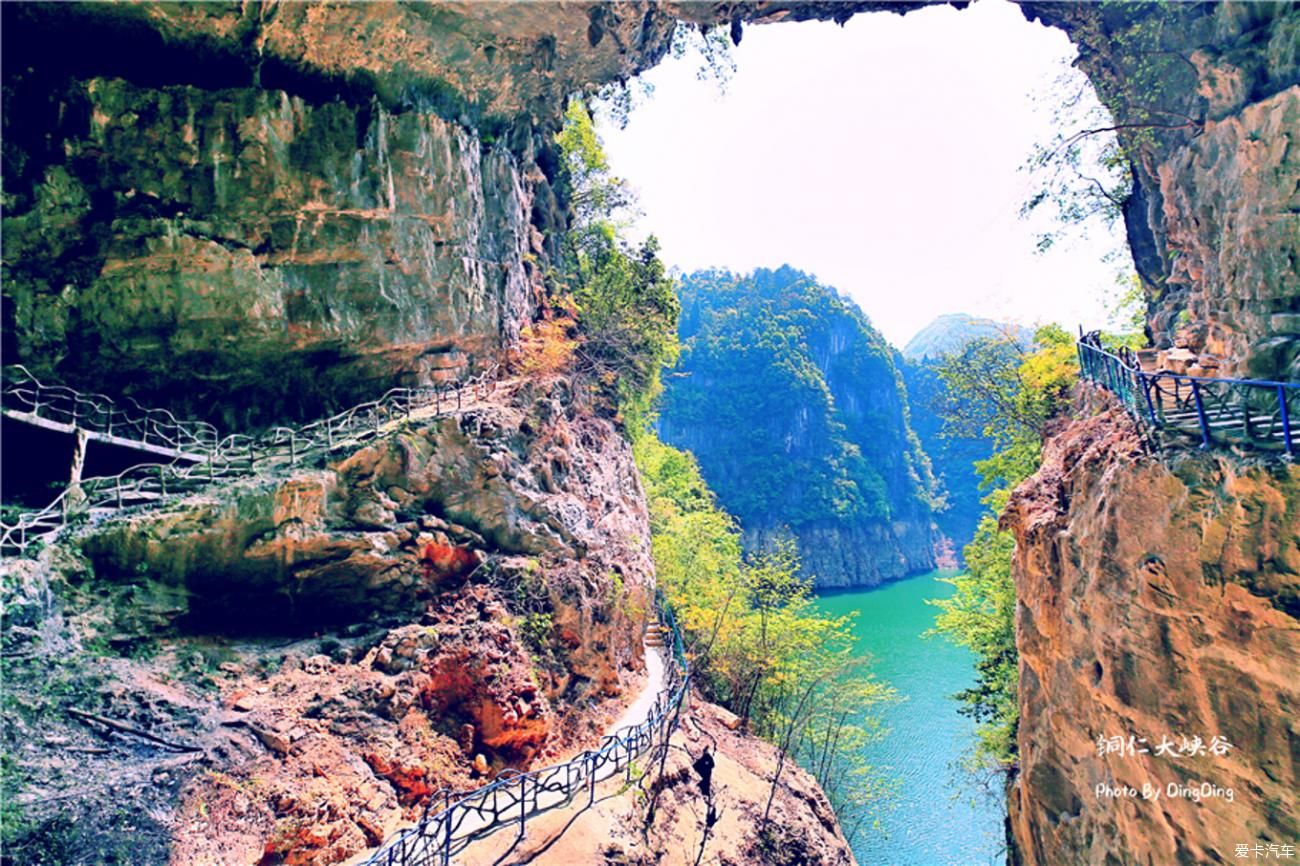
890	159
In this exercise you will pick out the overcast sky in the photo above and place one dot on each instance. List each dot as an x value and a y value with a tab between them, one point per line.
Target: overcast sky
883	156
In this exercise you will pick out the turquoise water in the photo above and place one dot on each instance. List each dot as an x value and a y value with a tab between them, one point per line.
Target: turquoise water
941	815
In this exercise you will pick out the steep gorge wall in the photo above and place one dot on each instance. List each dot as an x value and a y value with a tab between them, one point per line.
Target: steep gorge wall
793	405
254	212
258	211
1158	592
1157	601
258	264
1207	98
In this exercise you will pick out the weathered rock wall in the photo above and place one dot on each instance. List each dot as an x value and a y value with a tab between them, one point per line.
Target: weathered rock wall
1157	600
1159	592
253	212
250	254
335	641
1207	100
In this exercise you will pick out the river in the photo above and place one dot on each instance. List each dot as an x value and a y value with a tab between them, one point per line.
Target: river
940	816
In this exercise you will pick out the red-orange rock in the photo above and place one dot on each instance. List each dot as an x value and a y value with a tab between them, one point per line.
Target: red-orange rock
1158	599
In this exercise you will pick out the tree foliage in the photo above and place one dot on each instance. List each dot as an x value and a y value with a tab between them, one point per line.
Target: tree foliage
1080	176
1141	91
619	295
999	390
759	644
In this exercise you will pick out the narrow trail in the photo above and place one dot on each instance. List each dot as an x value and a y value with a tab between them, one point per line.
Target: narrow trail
639	710
465	830
201	457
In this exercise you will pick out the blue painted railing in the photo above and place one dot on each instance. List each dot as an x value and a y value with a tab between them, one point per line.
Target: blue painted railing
514	797
1253	413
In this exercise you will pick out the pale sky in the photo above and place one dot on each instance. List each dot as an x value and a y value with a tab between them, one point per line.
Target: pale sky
881	156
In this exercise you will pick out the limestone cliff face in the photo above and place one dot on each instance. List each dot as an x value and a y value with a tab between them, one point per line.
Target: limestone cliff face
335	642
1208	98
1157	600
793	405
253	212
250	254
1158	592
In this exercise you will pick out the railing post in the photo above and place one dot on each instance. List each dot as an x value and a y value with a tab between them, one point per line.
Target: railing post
523	804
1146	392
1200	414
1286	420
591	779
446	814
162	480
293	450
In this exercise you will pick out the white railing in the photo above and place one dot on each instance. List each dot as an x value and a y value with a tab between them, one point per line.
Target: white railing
207	458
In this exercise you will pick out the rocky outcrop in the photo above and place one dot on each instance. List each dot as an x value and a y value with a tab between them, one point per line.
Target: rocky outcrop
724	825
1208	100
519	481
1158	601
335	643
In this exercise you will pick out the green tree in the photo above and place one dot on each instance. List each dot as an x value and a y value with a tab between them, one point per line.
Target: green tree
1007	394
759	645
1139	94
620	296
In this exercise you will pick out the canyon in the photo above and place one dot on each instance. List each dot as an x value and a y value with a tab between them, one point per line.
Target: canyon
254	213
794	407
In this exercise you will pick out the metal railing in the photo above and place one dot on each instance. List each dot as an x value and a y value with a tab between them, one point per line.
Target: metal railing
514	797
206	458
27	398
1251	413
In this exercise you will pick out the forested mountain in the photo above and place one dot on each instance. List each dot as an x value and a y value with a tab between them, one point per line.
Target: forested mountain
950	333
952	459
793	405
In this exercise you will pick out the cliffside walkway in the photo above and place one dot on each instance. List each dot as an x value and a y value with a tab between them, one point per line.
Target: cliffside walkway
1245	413
514	797
199	456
